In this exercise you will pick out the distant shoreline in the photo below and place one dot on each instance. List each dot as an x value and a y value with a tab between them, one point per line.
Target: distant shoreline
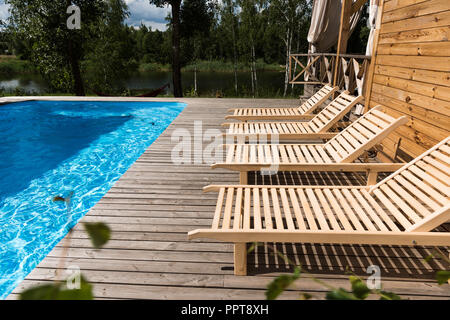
10	65
211	66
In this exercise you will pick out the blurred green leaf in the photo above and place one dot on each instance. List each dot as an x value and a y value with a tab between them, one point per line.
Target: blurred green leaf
340	294
389	296
442	276
280	283
359	288
252	247
43	292
305	296
57	291
98	232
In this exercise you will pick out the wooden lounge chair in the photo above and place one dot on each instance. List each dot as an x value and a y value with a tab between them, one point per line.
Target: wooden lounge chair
316	128
338	154
304	112
403	209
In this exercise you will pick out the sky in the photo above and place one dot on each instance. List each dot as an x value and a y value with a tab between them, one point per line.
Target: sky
140	11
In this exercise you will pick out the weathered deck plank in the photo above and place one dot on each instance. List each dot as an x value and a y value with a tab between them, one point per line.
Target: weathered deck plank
155	203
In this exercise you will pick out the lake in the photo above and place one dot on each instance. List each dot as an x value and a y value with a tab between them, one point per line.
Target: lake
270	83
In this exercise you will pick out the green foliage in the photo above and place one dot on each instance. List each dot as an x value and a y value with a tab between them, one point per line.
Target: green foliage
228	66
280	284
384	295
57	291
340	294
55	50
359	288
442	276
98	232
305	296
110	58
360	291
11	66
153	66
228	35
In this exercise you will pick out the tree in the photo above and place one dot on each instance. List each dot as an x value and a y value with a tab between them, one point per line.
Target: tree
287	17
56	49
249	25
229	20
195	22
110	58
175	22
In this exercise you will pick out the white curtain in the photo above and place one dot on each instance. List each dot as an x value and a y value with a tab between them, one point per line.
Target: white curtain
373	10
324	30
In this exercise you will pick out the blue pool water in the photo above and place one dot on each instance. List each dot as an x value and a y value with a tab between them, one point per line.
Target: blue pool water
53	148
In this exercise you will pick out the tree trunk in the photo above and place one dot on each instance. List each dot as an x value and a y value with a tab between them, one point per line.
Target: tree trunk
195	79
75	66
254	70
295	65
76	73
253	80
176	66
288	43
233	32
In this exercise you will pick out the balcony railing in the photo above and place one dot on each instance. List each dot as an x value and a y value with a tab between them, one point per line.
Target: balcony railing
320	68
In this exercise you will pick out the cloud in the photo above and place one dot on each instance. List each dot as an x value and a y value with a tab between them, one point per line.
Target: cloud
141	11
4	13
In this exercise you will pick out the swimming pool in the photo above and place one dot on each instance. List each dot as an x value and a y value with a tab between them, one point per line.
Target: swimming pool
50	148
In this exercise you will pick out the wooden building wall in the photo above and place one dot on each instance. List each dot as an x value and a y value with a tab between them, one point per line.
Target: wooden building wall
412	72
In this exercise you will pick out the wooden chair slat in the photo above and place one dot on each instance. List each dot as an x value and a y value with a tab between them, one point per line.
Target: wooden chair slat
256	209
228	207
219	205
276	209
348	210
237	218
287	210
327	210
317	210
267	213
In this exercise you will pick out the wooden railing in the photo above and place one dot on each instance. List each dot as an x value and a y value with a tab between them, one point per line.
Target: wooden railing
320	68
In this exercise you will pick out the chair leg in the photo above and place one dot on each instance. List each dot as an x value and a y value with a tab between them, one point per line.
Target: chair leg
240	259
372	178
243	177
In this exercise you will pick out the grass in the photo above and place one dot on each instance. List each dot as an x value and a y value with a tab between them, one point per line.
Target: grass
12	65
153	66
228	66
211	66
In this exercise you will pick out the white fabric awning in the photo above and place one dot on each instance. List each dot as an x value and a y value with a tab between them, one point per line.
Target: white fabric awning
324	30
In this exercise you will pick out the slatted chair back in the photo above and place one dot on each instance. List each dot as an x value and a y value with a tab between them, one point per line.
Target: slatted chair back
316	99
418	194
333	112
364	133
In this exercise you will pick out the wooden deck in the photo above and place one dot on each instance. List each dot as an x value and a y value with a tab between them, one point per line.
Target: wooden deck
155	203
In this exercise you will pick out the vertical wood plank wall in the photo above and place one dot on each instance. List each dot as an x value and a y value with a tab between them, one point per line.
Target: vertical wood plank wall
412	72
